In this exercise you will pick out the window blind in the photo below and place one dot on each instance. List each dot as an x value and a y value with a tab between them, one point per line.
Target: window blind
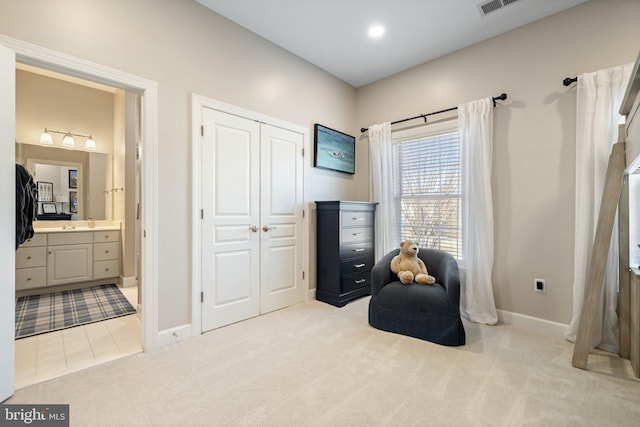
427	189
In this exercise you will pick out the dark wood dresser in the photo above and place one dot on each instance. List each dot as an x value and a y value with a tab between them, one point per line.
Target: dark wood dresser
345	250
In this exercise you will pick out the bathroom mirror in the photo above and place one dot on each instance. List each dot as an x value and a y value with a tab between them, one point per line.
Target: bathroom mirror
80	179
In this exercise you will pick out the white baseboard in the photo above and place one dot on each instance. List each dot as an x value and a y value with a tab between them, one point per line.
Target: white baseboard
173	335
311	295
535	324
128	282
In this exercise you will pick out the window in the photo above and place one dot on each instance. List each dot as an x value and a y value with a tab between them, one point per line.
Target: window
427	187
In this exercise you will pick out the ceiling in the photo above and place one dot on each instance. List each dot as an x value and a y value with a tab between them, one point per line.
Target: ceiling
332	34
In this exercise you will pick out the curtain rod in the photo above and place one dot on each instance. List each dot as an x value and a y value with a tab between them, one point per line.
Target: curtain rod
567	81
500	97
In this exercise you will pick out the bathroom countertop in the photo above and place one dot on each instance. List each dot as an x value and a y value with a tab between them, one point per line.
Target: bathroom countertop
73	226
77	229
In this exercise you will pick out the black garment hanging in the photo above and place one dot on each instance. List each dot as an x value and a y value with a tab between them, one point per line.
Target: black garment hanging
26	204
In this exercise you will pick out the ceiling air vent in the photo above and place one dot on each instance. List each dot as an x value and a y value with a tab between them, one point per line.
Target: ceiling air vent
493	5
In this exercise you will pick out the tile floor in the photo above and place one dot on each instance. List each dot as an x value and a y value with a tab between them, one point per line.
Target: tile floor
42	357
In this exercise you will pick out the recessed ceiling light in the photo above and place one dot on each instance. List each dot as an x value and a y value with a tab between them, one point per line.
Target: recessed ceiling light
376	31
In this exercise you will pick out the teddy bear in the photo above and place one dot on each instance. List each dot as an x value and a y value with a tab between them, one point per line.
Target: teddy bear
409	267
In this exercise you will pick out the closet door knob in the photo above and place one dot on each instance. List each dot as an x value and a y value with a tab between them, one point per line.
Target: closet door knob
254	228
267	228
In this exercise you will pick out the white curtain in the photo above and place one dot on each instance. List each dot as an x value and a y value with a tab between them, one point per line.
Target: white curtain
475	125
598	100
381	187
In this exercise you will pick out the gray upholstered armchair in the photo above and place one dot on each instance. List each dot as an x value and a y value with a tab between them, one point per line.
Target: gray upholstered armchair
428	312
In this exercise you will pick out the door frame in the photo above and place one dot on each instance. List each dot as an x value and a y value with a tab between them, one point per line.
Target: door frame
198	103
8	219
41	57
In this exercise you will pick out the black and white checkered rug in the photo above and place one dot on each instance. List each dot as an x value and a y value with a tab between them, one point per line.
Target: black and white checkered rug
38	314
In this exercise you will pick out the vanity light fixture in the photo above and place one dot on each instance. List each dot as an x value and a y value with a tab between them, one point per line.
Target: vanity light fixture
67	141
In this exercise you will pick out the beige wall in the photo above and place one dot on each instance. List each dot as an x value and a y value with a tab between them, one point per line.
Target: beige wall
534	146
55	104
43	101
124	176
188	49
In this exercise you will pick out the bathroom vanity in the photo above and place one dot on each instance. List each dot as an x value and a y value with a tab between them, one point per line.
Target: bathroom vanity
70	253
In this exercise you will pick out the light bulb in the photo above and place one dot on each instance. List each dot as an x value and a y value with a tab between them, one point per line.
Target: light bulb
376	31
68	142
45	138
90	145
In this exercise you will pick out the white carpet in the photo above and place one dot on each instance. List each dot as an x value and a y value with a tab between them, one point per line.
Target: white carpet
317	365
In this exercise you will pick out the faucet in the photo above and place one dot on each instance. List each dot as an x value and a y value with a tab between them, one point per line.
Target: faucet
69	226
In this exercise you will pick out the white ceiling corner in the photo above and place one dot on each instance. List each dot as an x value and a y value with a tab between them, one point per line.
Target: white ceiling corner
332	34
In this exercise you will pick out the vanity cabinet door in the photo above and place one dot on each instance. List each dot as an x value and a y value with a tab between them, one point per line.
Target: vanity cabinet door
69	264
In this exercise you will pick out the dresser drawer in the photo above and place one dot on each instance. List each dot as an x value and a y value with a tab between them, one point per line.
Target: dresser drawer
355	281
38	239
353	250
356	265
357	218
27	278
106	269
106	236
106	251
356	234
31	257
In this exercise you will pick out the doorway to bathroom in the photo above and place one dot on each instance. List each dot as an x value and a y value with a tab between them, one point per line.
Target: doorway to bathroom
12	50
89	185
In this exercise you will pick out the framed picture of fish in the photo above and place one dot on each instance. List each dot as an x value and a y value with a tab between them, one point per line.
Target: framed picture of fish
334	150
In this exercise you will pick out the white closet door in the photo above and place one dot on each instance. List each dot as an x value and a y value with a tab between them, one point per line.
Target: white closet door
281	217
7	218
231	219
252	198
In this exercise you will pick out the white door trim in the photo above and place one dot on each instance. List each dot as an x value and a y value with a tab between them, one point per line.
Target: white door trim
8	220
31	54
198	102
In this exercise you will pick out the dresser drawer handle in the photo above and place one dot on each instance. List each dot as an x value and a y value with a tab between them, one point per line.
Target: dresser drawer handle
360	281
358	218
357	234
28	257
359	250
106	269
28	279
106	236
107	251
359	265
